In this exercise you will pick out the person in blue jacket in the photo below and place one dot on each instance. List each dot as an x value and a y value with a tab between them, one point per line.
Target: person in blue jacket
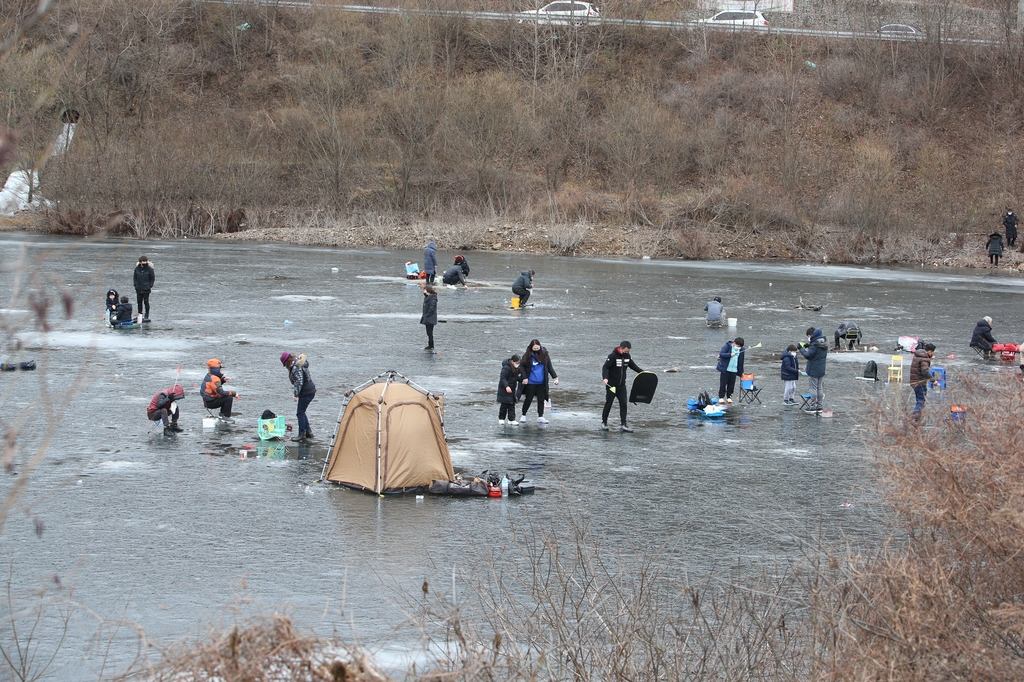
730	363
790	375
815	351
537	368
430	262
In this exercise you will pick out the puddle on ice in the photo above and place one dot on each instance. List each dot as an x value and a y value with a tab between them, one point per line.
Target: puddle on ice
110	340
119	465
298	298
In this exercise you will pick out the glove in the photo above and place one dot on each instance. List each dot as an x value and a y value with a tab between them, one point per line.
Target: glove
802	344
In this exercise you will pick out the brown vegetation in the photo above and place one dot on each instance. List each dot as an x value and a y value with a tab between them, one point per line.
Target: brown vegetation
852	151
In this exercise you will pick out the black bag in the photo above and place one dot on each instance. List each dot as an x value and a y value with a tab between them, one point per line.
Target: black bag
459	488
871	370
267	414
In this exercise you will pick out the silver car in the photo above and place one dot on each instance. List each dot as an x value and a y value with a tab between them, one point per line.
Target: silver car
562	13
734	17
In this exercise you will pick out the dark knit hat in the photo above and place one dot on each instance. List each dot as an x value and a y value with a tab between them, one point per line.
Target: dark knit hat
284	357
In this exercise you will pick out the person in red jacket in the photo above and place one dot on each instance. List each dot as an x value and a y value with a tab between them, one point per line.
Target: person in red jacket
163	408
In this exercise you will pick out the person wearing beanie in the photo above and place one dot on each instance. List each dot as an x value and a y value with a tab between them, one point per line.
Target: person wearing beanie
920	375
303	390
214	393
145	278
730	364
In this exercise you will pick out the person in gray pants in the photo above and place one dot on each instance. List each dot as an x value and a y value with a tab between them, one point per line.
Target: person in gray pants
815	351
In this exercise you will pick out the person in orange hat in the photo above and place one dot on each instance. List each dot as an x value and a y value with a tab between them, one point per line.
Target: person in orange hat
214	393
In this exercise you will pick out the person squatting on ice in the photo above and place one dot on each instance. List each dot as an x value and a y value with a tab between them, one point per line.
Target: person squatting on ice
163	408
816	352
429	316
715	310
730	363
430	262
537	368
522	286
1010	225
790	375
123	312
214	393
981	337
849	332
303	390
920	375
145	278
508	390
995	248
454	275
613	375
461	261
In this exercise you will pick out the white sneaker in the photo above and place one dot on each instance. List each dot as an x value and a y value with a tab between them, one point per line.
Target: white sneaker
501	422
513	422
542	420
523	419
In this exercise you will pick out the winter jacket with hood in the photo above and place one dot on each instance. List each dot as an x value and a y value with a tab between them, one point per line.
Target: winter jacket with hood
429	315
544	358
714	310
454	275
111	301
213	385
164	398
614	369
461	261
920	368
790	367
145	278
1010	224
982	337
123	313
816	352
995	244
430	258
510	378
523	282
298	374
725	356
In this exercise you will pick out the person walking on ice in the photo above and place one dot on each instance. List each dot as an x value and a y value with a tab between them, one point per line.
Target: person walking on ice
537	368
613	375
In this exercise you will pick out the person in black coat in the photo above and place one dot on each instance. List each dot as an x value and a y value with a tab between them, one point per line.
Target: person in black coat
995	248
145	278
123	312
454	275
982	338
508	391
463	264
429	316
1010	225
613	375
110	305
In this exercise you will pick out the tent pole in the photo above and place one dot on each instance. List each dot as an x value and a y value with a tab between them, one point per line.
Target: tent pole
344	404
380	412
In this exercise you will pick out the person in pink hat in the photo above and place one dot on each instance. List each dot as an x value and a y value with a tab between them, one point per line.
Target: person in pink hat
303	390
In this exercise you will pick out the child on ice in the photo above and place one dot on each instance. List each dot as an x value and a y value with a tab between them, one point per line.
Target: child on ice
790	374
508	390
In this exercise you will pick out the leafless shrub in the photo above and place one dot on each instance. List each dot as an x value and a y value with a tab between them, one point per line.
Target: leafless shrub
694	240
566	238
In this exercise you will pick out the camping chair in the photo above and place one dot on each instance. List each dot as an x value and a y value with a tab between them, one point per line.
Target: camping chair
748	392
896	369
982	353
806	398
851	337
957	418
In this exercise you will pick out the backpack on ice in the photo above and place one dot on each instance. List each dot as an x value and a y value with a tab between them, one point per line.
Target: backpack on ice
871	370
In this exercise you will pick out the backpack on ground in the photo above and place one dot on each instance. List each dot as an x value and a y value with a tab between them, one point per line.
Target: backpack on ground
871	370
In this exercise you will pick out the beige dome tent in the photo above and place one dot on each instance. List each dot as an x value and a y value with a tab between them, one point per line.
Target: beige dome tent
390	438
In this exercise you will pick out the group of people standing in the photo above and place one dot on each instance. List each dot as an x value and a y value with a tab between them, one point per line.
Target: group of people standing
118	309
995	240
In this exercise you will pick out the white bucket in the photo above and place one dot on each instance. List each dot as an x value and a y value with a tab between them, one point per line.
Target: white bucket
732	321
209	422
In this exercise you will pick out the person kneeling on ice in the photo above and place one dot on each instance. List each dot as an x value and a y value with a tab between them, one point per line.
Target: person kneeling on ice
790	375
214	393
454	275
303	390
110	306
715	310
123	313
730	364
508	390
920	375
523	286
613	375
163	408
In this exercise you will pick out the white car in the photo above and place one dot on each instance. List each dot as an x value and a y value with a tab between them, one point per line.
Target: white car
562	13
735	17
901	31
